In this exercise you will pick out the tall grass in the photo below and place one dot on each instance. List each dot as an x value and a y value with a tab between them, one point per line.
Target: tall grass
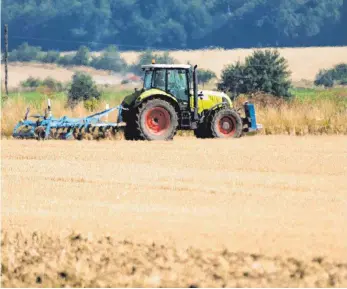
13	110
322	112
310	112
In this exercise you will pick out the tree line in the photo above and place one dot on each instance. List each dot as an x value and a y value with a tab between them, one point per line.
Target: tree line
171	24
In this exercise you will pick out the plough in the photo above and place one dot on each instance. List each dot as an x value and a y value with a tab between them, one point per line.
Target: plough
48	127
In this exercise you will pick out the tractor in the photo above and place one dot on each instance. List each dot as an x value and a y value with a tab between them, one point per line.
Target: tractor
170	100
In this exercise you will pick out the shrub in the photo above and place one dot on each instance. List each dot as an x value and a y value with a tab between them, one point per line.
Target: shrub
66	60
25	52
53	84
82	56
336	75
91	104
264	71
48	82
51	57
109	60
147	57
324	78
82	88
31	82
205	75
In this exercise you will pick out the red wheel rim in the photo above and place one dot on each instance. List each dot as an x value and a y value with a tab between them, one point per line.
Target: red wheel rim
227	126
157	120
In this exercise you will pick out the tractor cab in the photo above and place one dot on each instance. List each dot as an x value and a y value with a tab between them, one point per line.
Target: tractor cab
171	78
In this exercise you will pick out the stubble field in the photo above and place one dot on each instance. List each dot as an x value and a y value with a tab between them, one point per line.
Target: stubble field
258	211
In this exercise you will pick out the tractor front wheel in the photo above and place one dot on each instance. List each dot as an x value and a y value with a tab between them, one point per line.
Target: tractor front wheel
157	120
226	123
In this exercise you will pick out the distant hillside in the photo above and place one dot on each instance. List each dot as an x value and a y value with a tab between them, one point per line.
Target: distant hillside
175	24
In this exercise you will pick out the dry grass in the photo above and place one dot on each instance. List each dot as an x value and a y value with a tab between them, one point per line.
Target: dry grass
323	115
301	117
41	260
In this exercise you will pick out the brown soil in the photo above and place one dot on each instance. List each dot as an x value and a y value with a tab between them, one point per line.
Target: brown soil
271	196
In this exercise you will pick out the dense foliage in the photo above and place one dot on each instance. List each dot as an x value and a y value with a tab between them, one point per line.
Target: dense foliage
330	77
139	24
264	71
82	88
205	75
110	59
32	82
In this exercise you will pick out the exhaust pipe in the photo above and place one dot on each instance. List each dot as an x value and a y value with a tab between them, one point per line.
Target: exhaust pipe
195	87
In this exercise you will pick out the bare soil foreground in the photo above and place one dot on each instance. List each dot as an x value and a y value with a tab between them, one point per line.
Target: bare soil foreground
257	211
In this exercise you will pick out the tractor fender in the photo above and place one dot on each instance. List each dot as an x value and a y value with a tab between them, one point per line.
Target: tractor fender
156	93
214	109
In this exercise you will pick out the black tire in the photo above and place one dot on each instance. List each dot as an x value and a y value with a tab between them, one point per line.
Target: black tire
226	123
130	130
157	120
203	131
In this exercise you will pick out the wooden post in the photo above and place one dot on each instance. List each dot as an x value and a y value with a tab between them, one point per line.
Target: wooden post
6	56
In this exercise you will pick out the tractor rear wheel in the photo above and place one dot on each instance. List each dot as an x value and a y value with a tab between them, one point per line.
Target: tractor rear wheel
157	120
226	123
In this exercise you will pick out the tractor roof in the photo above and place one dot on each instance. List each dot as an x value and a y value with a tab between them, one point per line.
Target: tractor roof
166	66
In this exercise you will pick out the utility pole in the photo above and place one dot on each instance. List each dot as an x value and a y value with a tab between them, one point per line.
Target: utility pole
6	58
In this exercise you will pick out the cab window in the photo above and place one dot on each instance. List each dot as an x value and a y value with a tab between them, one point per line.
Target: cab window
177	84
147	84
159	79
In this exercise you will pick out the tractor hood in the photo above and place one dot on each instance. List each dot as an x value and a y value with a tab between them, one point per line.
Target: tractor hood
211	98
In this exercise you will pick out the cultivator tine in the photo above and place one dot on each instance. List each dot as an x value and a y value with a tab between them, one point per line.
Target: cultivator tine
27	113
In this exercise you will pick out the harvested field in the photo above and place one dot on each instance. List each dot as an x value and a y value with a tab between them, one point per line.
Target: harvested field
314	59
275	196
304	62
19	72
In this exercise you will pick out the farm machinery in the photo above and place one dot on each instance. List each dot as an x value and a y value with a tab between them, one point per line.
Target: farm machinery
46	126
168	101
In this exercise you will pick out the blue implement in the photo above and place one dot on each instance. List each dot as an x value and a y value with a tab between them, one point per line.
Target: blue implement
43	126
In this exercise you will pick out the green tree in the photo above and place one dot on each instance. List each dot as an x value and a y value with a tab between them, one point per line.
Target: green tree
66	60
82	56
264	71
51	57
25	52
82	88
109	60
336	75
205	75
147	57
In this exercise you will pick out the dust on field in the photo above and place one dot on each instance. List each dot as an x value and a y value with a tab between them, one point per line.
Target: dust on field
77	260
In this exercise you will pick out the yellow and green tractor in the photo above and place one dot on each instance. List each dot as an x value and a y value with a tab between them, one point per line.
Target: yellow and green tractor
170	100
